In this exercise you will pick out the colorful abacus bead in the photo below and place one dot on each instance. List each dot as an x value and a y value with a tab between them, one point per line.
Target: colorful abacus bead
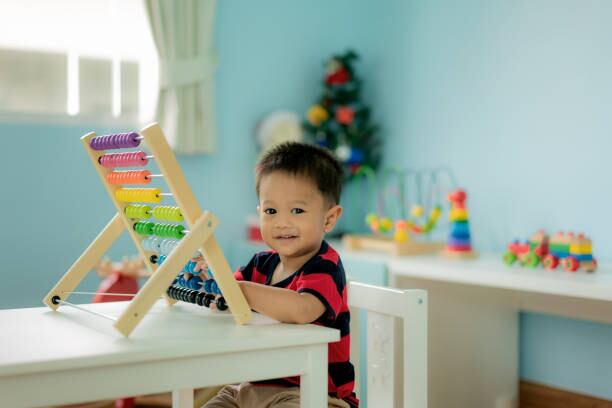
221	304
138	211
168	230
168	213
194	296
144	228
115	141
208	299
129	177
151	244
188	268
167	245
128	159
211	286
195	282
158	259
183	294
130	195
162	246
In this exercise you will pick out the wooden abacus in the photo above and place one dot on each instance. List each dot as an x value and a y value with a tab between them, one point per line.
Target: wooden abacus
199	236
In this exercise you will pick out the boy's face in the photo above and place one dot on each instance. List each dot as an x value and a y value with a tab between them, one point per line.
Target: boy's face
294	216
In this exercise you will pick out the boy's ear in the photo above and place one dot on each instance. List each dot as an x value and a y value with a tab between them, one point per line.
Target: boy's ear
332	216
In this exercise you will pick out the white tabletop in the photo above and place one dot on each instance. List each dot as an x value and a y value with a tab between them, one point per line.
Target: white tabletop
490	271
35	340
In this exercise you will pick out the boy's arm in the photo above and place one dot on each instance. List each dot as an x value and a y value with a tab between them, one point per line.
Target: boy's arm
284	305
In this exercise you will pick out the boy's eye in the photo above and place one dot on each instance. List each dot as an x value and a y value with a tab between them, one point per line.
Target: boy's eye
297	211
270	211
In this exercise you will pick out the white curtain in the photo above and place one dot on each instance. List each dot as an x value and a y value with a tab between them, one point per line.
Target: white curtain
183	34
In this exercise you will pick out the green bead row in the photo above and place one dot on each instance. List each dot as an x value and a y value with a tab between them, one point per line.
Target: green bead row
160	230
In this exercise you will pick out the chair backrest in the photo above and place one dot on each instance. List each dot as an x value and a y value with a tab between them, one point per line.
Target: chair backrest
396	344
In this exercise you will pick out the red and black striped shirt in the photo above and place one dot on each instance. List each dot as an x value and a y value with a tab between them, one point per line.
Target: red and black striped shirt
322	276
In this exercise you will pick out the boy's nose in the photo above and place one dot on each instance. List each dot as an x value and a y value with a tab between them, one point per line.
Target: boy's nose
282	222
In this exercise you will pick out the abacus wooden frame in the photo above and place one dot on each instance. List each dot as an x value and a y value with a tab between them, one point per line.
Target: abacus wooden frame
200	236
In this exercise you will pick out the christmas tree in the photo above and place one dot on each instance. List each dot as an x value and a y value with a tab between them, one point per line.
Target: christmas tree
339	121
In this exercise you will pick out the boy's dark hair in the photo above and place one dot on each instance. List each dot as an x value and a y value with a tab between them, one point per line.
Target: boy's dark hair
312	162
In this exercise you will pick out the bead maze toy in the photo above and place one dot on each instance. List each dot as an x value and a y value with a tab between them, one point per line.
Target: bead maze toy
571	251
395	235
166	248
459	244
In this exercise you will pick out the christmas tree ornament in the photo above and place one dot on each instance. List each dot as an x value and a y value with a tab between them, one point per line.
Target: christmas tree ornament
345	115
317	115
343	153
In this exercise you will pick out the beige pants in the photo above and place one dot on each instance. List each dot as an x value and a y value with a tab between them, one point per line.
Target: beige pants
247	395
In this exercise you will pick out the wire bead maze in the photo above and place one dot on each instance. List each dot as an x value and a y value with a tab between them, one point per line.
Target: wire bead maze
401	199
167	246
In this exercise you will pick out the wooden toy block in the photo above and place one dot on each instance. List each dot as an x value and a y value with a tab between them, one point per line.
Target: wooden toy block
459	254
389	245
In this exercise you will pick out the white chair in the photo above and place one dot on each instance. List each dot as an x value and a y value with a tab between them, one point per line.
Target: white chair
396	347
396	344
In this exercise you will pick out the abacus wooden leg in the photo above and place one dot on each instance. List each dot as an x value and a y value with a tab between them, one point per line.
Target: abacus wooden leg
225	279
86	262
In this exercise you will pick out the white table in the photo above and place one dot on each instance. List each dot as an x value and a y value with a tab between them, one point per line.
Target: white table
70	356
474	319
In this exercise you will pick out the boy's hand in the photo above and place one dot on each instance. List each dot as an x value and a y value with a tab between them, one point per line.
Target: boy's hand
201	265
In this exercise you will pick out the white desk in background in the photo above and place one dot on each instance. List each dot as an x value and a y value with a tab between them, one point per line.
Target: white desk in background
70	356
474	310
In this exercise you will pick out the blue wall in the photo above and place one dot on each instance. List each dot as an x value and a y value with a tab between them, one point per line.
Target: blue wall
515	96
271	56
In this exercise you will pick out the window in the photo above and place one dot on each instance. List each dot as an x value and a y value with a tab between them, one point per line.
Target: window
79	58
32	82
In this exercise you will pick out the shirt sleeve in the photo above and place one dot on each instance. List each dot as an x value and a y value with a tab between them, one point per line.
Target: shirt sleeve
245	273
322	281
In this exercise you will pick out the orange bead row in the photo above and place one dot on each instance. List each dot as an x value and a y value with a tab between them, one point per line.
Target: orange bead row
129	177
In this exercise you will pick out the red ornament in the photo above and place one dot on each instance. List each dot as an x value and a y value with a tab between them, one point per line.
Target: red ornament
338	77
345	115
354	168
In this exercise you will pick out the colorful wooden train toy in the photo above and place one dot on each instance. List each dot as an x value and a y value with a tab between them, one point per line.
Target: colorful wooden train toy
569	250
